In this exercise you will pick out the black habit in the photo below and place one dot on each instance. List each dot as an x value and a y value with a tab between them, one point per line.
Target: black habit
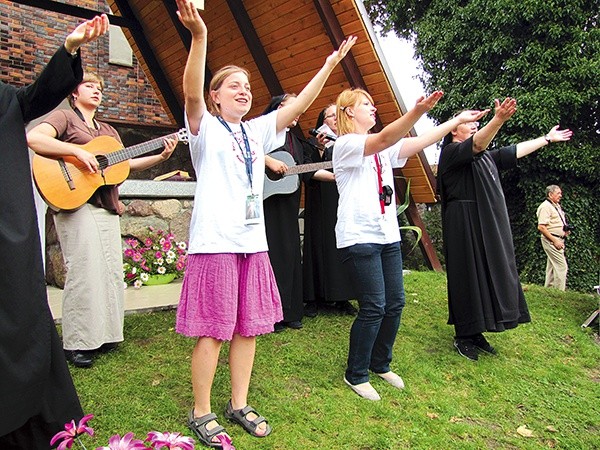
36	390
283	236
484	290
325	277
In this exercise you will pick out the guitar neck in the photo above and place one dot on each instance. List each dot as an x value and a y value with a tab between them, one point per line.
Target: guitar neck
136	150
312	167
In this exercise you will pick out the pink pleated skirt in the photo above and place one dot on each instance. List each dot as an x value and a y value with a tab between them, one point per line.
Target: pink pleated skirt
228	293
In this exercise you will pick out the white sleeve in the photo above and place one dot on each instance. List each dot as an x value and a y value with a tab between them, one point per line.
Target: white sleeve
395	154
349	151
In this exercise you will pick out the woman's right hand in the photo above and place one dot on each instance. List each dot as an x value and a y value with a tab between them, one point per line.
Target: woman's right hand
471	115
87	158
506	109
190	18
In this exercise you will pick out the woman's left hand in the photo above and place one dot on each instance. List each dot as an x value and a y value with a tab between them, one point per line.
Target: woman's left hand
339	54
170	145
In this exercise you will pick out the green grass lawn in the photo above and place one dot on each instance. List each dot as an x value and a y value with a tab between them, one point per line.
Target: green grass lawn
546	377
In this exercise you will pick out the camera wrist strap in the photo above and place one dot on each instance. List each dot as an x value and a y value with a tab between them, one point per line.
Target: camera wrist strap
379	183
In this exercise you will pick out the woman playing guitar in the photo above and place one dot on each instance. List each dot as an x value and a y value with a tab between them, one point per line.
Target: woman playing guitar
90	236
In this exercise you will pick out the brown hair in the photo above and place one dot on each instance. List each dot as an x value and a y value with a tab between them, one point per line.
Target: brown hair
348	98
216	83
88	76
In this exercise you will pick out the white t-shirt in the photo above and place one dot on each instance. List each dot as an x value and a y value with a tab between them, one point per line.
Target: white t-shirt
359	217
218	222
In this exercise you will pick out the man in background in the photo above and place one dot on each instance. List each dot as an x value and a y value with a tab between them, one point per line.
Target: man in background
553	225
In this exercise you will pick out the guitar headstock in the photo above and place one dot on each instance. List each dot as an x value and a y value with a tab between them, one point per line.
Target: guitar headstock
182	136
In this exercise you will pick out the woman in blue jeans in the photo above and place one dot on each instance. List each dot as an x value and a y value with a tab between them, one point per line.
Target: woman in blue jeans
367	233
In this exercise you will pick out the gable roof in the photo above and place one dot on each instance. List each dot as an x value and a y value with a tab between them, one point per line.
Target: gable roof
282	44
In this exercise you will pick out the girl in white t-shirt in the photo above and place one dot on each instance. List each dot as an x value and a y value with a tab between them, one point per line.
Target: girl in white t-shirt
367	233
229	291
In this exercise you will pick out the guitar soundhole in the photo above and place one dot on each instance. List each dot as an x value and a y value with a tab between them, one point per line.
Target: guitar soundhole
102	161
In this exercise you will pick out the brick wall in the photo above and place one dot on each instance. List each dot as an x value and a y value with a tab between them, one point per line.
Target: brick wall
28	38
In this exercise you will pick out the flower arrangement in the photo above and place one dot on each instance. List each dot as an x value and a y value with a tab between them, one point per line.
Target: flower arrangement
155	440
155	253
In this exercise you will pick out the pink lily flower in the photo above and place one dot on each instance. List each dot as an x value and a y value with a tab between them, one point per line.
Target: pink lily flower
170	441
72	432
126	442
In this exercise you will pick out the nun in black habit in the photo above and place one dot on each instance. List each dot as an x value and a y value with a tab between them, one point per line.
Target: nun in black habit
36	390
281	222
484	290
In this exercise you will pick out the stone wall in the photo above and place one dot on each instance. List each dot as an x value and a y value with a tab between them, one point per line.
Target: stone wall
162	205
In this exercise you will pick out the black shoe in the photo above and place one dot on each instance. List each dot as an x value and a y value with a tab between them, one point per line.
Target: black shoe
482	344
79	358
310	309
279	327
296	324
466	348
108	347
346	307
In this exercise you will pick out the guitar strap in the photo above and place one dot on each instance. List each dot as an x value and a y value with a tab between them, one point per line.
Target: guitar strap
80	115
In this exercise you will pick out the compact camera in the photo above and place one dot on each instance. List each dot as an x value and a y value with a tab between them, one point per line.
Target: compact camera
386	195
568	227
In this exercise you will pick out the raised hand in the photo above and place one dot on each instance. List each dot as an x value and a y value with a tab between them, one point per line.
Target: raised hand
87	31
506	109
339	54
190	18
557	135
471	115
425	104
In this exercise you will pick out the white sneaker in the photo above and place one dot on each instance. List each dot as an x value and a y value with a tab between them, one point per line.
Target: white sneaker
392	378
365	390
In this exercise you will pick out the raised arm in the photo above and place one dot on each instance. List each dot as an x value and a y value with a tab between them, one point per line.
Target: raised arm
503	112
554	135
85	32
193	75
413	145
307	96
396	130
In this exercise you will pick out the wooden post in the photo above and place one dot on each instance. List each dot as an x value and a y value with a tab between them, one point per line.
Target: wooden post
414	218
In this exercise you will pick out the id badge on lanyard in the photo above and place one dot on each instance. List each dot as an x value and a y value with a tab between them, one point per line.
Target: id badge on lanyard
253	213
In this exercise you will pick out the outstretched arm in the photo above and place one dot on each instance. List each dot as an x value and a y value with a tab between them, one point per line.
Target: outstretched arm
85	32
287	113
413	145
193	75
555	135
503	112
396	130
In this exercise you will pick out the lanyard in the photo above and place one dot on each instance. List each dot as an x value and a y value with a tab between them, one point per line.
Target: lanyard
247	154
379	183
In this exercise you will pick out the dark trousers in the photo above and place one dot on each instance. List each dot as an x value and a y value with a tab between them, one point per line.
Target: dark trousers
377	273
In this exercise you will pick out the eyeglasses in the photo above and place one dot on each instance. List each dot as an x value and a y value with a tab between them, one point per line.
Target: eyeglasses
331	115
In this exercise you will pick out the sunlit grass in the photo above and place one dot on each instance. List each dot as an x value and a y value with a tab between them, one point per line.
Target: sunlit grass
546	377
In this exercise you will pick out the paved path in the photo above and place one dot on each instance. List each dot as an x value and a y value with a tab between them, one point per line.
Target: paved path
147	298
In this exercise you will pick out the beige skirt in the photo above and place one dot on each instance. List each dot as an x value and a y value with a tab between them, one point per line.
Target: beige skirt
93	298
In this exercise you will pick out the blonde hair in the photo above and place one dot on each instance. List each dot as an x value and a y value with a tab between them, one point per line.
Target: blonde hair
88	76
216	83
347	99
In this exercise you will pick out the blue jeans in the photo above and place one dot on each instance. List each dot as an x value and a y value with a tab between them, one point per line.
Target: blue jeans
377	273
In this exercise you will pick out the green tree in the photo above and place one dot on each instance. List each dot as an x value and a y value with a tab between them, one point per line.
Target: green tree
546	54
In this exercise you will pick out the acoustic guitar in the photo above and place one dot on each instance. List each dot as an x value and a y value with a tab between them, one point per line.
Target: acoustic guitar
65	183
290	181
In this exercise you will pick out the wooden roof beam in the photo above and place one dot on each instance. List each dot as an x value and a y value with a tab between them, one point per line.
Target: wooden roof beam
154	66
76	11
